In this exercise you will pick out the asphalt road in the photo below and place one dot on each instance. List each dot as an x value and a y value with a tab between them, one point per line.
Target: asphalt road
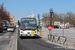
5	39
28	43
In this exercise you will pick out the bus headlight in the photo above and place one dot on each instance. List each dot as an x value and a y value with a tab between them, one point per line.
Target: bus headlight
35	31
21	31
5	27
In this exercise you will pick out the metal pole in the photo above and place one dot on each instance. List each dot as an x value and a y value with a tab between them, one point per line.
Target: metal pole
64	25
51	12
49	36
50	32
63	33
39	24
39	21
51	20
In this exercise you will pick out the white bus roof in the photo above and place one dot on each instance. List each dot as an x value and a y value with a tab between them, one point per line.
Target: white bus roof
27	17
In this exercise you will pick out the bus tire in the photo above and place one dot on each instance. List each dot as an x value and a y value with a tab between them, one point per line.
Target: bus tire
13	31
34	37
20	37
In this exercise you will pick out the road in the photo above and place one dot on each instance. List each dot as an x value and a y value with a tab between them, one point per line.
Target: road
5	39
37	43
26	43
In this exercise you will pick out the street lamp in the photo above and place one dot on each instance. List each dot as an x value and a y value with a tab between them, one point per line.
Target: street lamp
39	24
51	12
50	32
39	20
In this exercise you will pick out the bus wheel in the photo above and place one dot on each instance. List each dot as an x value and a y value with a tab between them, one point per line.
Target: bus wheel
34	37
20	37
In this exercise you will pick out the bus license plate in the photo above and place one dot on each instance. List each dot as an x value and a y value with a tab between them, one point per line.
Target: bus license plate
9	30
28	34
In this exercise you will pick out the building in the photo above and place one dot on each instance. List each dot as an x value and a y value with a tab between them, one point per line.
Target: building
12	20
40	23
57	23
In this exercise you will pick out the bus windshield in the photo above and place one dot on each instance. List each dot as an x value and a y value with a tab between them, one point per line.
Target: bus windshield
28	23
4	23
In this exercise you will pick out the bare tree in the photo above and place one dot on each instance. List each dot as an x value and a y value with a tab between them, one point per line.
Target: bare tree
4	15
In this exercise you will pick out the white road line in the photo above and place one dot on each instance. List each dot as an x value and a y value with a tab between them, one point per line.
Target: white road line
6	36
0	36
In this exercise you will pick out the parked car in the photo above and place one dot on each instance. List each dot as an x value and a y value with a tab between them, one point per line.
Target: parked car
56	26
11	28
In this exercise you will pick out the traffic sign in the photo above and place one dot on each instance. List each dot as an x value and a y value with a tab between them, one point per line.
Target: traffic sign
63	27
49	27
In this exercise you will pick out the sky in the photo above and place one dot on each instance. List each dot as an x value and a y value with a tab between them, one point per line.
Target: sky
22	8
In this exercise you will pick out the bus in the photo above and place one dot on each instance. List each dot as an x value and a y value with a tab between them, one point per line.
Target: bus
27	27
5	24
1	26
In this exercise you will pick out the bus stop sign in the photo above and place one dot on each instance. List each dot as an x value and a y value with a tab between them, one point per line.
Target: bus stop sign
49	28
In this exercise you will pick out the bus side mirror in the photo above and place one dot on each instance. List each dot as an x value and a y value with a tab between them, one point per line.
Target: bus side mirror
18	23
37	28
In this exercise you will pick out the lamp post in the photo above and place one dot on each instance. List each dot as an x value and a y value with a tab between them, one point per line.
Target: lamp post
39	24
63	26
39	20
51	12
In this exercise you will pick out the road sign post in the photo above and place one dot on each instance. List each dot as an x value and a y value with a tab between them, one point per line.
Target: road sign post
49	35
63	31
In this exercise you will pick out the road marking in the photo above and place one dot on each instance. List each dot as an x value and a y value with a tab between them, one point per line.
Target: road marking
6	36
0	36
72	37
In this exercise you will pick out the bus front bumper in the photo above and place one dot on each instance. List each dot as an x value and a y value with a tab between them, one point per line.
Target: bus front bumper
27	35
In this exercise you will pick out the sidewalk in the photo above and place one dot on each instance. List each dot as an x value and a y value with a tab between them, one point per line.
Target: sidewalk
69	33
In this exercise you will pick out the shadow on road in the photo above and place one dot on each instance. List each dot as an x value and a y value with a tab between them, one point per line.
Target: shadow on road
3	33
36	37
